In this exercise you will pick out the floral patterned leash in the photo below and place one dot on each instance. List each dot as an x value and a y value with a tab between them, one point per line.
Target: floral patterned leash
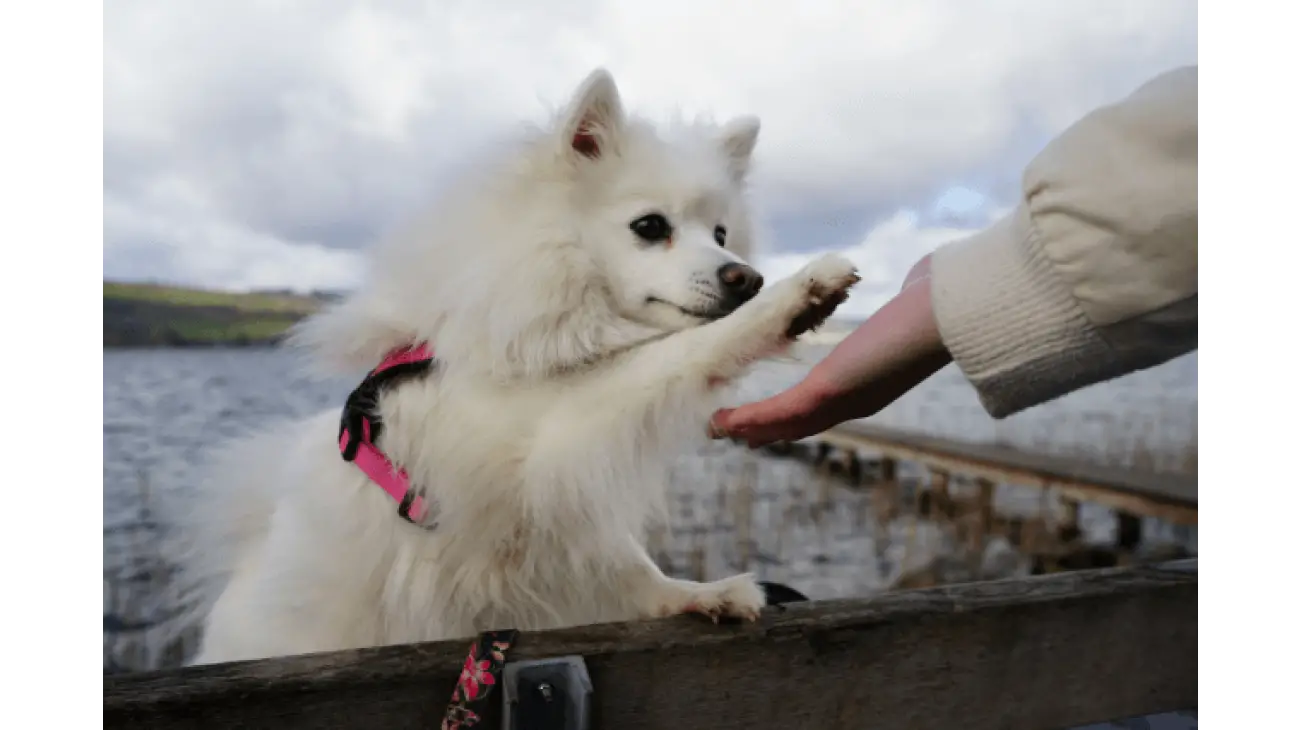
482	672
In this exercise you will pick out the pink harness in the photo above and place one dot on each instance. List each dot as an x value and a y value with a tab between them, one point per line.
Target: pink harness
360	426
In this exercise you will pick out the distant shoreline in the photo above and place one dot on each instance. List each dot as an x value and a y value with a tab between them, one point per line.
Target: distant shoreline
157	316
261	345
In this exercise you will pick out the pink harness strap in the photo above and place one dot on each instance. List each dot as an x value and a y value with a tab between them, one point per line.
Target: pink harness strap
404	356
369	459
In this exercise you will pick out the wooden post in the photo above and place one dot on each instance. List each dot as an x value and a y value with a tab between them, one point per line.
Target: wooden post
886	492
855	468
835	461
1030	537
742	515
941	509
885	504
889	484
1038	532
1128	532
943	492
913	519
824	487
1068	530
983	524
1017	530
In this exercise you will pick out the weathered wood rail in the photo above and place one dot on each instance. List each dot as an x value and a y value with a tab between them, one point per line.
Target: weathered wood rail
870	456
1170	497
1052	651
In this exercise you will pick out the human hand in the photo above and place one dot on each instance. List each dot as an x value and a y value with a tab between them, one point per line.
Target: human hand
892	352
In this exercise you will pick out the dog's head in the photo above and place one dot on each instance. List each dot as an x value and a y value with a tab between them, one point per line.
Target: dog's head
661	212
594	232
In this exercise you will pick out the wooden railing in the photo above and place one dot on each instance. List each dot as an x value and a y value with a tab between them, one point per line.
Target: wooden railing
1053	651
1170	497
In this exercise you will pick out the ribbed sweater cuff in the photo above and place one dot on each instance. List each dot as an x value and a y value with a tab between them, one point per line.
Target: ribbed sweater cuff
1011	324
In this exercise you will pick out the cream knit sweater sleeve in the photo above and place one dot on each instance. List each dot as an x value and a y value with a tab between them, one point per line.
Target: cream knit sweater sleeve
1093	275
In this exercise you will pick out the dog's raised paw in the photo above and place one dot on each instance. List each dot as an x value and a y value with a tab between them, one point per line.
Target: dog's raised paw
738	597
826	282
827	274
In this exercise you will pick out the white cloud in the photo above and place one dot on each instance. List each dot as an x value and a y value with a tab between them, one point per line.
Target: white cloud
289	130
186	246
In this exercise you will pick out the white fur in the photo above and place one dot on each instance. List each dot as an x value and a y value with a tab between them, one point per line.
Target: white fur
544	439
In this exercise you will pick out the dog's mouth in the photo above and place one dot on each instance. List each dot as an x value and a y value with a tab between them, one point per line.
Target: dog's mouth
717	312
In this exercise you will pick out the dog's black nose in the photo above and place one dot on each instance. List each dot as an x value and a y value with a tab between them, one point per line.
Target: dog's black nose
740	281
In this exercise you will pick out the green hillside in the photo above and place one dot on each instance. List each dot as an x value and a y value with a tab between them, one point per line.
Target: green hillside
149	315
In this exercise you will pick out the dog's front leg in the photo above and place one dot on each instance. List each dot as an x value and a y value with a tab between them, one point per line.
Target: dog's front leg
655	595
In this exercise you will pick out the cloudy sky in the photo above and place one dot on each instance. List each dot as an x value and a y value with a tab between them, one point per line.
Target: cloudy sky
266	144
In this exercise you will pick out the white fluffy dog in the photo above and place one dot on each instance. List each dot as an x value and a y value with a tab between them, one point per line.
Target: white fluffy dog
584	301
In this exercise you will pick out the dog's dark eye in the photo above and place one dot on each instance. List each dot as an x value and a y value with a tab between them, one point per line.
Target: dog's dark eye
720	235
652	228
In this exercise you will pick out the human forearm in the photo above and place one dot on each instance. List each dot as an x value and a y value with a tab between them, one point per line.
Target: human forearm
890	353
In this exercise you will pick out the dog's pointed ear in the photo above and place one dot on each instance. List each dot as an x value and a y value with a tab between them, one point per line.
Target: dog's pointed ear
594	119
739	137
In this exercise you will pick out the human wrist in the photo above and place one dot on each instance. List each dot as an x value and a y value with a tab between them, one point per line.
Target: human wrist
891	352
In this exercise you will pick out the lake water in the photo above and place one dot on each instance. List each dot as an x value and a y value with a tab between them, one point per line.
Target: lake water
789	523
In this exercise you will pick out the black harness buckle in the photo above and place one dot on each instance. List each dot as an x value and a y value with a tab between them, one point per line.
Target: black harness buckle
360	413
360	420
